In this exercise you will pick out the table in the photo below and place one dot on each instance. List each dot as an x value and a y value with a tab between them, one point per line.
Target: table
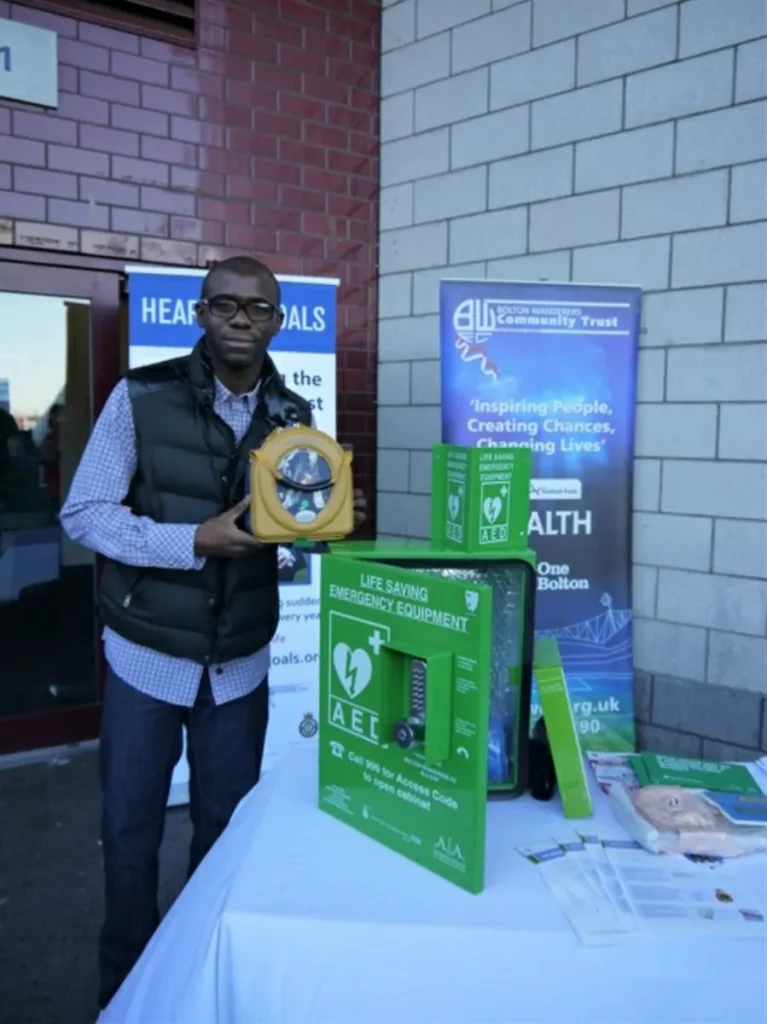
294	918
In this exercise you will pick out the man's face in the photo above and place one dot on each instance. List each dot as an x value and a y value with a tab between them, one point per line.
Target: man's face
240	316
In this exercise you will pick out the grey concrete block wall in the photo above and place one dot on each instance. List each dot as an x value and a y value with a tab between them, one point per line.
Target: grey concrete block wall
604	140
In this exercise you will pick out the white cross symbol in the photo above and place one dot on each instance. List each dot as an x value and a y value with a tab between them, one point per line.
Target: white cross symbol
375	641
504	490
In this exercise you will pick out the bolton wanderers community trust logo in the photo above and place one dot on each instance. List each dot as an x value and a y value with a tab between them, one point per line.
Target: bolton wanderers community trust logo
474	322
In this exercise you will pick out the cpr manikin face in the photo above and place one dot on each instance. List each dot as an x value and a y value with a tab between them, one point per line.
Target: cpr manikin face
673	809
696	826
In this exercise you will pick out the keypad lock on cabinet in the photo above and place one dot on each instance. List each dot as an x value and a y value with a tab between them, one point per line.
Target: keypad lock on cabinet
410	731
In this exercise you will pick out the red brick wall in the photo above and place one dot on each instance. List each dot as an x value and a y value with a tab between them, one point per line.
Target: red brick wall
263	140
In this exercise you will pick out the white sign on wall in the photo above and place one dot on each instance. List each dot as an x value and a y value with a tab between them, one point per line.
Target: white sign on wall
29	64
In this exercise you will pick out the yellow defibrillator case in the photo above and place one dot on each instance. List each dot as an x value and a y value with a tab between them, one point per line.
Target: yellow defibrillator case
300	487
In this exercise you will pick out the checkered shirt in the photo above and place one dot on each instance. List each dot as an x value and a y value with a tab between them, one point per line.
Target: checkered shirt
94	515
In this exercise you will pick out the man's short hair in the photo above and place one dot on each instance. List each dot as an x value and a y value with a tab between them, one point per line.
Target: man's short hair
246	266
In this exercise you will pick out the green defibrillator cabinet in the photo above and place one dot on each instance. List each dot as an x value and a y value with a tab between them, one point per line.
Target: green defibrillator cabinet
426	661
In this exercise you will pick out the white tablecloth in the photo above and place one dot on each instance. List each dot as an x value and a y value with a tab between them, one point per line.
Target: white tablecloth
295	918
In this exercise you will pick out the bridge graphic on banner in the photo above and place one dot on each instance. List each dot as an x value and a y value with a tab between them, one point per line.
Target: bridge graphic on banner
598	652
598	630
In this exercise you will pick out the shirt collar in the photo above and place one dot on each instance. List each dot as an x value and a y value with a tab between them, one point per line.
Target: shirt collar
225	397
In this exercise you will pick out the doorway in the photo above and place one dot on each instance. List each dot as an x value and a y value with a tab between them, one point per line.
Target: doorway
59	359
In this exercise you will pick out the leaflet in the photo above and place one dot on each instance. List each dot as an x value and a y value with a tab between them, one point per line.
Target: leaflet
577	843
740	809
609	880
671	894
613	769
593	918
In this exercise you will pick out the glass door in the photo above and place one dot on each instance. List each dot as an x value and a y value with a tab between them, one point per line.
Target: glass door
59	358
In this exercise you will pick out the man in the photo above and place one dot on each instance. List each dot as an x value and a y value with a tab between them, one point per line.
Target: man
9	432
50	456
188	598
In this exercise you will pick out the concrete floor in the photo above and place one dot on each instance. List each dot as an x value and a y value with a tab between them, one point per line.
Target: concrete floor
51	886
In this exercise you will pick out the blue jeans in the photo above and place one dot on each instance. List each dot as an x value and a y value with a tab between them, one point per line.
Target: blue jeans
141	741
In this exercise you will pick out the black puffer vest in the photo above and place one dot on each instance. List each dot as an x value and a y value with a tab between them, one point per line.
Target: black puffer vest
190	468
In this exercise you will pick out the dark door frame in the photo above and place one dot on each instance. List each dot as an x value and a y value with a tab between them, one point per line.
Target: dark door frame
100	281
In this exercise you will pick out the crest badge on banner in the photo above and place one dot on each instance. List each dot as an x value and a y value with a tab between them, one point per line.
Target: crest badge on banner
552	367
162	325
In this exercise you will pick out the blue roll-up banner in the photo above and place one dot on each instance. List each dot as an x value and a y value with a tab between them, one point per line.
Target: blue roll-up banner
552	367
162	325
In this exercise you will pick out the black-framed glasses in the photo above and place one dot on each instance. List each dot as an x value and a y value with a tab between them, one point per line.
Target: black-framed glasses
227	307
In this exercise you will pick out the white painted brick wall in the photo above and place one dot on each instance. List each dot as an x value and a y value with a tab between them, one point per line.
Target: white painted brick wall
533	75
396	206
395	295
651	375
566	222
624	158
736	660
740	548
413	248
555	20
746	318
721	373
743	431
484	139
596	110
628	46
710	24
439	15
731	136
397	116
488	235
485	40
677	431
676	90
599	140
451	195
645	262
647	484
554	266
426	284
676	204
683	317
728	255
456	98
398	28
748	199
675	542
529	178
751	73
410	66
718	602
411	337
417	156
640	6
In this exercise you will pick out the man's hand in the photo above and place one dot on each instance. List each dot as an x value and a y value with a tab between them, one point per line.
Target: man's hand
221	537
360	507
